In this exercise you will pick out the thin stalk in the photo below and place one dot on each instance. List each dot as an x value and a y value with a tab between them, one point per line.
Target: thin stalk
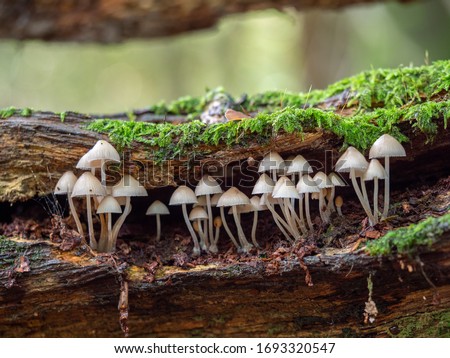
255	223
360	196
308	216
296	220
330	206
246	246
364	191
158	227
202	235
109	226
291	221
92	240
375	199
210	219
75	215
121	220
213	247
196	250
321	204
227	229
386	189
275	215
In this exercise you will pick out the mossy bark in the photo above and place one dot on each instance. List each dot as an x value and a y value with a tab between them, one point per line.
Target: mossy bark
72	294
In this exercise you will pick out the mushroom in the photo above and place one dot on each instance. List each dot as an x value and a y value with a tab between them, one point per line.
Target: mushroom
158	208
339	202
272	163
182	196
307	185
285	189
65	185
208	186
386	147
265	186
101	153
88	185
374	172
196	215
127	187
234	197
323	182
255	203
217	225
299	165
108	206
351	161
336	180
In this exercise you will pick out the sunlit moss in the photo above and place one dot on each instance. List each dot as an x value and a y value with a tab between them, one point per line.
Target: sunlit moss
406	240
424	325
7	112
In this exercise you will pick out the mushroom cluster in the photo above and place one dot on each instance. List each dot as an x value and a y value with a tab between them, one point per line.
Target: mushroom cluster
281	184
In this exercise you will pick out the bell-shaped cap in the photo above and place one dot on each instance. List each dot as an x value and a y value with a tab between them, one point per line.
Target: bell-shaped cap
306	184
66	183
268	198
85	163
128	186
336	180
322	180
109	205
299	165
351	159
102	150
386	146
285	188
256	203
207	186
375	170
272	161
198	213
157	208
215	198
183	195
233	197
88	184
264	185
339	201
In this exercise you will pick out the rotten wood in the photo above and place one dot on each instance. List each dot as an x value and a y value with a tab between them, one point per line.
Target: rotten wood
73	294
118	20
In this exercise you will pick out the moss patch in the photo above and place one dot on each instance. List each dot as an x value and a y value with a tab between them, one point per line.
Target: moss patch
406	240
425	325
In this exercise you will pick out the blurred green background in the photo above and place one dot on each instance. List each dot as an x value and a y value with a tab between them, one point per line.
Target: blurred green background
246	53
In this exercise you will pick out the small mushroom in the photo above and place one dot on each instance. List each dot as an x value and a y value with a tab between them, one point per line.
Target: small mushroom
65	186
323	182
386	147
374	172
101	153
272	163
108	206
307	185
285	189
158	208
217	225
255	202
234	197
337	181
183	196
196	215
339	202
88	185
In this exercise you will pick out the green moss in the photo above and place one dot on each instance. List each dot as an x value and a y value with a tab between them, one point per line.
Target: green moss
26	112
7	112
62	116
424	325
406	240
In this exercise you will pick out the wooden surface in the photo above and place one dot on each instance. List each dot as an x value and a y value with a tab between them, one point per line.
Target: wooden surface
118	20
68	295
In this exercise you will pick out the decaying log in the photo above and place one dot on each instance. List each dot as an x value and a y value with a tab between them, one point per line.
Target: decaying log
114	21
73	294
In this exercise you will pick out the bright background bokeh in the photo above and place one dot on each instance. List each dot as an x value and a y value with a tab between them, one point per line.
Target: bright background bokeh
247	53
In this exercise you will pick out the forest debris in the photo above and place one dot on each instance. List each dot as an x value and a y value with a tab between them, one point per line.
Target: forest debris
370	310
123	308
22	265
373	234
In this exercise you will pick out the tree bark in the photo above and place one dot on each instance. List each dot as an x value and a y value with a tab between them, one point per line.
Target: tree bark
72	294
115	21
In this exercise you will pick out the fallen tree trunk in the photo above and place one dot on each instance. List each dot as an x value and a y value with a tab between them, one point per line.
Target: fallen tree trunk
75	295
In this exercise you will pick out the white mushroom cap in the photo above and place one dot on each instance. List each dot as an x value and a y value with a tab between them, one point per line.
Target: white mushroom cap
207	185
375	170
86	163
386	146
242	209
272	161
102	150
157	208
322	180
128	186
256	203
351	159
109	205
285	188
87	184
336	179
306	184
233	197
183	195
299	165
198	213
215	198
264	185
66	183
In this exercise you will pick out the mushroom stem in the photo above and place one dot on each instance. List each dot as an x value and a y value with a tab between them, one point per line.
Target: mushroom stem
375	199
300	210
119	223
275	218
246	246
339	211
299	222
203	238
75	215
386	189
196	250
364	191
321	205
308	216
210	218
103	172
255	223
213	246
227	229
291	219
103	241
92	240
158	227
360	196
330	206
110	237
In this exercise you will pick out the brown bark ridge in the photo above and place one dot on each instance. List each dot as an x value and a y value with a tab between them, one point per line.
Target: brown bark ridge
118	20
35	151
48	293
